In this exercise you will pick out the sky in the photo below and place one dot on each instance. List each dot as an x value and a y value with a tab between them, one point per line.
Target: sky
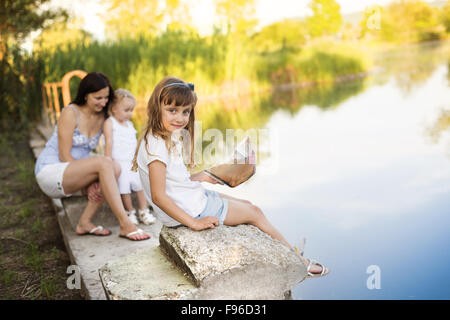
203	11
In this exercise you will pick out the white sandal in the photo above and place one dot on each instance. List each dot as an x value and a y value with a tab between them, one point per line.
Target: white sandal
132	216
146	217
324	272
132	234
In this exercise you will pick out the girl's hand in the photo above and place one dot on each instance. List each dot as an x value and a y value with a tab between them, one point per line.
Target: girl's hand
205	223
203	177
94	193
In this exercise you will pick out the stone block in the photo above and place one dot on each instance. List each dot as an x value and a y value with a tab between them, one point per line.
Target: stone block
238	262
145	275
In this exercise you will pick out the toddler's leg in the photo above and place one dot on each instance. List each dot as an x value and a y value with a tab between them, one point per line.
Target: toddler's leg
127	203
142	202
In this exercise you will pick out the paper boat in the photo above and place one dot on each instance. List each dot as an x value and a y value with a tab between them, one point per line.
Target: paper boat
238	169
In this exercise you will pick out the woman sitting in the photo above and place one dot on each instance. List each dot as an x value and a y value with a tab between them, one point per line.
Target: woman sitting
65	166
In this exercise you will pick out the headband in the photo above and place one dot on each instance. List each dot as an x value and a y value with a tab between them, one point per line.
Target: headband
188	85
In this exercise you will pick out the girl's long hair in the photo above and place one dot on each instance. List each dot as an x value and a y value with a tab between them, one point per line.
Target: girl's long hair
181	95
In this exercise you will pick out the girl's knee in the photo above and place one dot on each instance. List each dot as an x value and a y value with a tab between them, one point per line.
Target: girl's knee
257	214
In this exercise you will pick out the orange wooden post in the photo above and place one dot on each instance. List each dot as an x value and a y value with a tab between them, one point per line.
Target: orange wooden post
65	84
50	90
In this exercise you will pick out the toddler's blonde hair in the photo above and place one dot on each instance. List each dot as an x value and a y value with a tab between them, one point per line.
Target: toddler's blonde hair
119	95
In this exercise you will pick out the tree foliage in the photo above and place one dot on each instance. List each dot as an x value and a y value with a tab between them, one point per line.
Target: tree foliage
62	35
144	18
407	21
326	18
280	35
237	16
19	17
20	74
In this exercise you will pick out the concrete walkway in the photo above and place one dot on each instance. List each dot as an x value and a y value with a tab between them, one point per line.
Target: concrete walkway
90	253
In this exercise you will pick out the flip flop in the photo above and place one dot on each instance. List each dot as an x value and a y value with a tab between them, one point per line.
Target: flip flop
133	233
93	230
324	272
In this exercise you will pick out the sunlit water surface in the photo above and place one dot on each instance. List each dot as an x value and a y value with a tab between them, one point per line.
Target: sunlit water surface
367	182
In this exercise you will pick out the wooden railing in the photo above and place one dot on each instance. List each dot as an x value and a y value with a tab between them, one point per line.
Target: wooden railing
51	94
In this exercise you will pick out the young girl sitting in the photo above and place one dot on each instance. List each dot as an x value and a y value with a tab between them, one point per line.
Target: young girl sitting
177	197
120	145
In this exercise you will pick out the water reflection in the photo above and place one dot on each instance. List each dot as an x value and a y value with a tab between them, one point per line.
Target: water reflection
413	64
365	180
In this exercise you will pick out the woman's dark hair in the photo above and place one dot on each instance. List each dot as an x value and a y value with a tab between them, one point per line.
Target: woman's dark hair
93	82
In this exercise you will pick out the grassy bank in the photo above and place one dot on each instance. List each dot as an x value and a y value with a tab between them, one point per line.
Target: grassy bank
218	64
33	259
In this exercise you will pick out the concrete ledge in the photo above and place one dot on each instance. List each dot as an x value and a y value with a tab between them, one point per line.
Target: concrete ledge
90	253
238	262
145	275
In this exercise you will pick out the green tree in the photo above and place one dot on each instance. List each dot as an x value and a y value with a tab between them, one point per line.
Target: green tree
144	18
132	18
444	16
326	18
19	17
288	33
407	21
20	74
61	36
237	16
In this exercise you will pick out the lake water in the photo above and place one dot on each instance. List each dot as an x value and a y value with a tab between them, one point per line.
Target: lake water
362	170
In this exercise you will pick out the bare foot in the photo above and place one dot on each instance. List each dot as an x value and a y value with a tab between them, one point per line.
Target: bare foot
314	268
138	235
85	228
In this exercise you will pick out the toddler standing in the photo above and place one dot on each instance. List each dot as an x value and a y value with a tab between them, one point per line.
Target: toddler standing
120	144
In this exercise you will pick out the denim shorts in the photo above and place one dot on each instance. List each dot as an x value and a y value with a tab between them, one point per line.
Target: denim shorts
215	207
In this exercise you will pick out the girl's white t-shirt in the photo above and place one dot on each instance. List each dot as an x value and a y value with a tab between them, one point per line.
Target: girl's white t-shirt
187	194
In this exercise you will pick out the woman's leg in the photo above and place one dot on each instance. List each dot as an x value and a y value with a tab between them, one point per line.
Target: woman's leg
84	224
81	173
241	212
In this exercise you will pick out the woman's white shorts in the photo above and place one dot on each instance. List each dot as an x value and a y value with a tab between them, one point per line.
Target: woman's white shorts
50	179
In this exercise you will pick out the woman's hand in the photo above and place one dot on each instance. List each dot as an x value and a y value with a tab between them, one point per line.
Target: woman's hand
203	177
205	223
94	193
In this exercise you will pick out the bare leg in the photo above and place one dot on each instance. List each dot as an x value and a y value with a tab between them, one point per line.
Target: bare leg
225	196
241	212
127	203
81	173
142	202
84	224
